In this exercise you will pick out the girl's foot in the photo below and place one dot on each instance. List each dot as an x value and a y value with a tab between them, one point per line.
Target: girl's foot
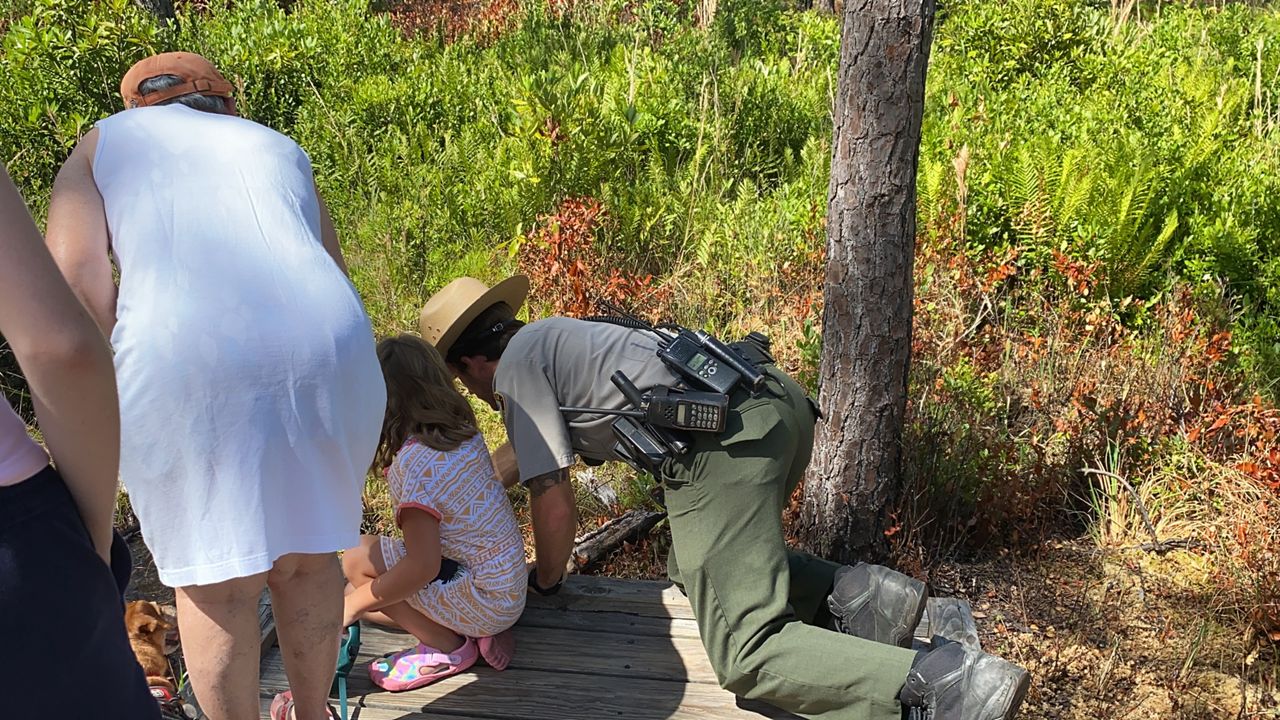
498	650
421	665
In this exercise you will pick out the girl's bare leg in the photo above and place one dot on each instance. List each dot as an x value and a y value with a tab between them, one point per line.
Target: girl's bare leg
362	564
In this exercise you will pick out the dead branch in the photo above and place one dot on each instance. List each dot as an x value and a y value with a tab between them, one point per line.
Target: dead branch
596	545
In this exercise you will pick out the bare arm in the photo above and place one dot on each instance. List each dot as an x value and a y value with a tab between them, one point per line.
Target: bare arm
77	234
329	236
67	365
555	521
420	565
504	464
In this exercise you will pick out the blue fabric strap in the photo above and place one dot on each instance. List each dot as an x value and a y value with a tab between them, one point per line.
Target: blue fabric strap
342	696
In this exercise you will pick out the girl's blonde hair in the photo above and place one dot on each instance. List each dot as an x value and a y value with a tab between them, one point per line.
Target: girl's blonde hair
422	401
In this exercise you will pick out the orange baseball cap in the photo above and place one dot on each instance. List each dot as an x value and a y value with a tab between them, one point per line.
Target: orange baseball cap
198	75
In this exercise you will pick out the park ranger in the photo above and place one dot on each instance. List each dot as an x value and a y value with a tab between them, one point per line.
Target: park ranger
806	635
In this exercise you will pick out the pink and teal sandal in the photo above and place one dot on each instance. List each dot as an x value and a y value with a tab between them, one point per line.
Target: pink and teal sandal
401	671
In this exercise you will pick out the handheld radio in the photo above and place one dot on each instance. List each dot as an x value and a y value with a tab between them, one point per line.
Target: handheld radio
678	409
686	355
667	407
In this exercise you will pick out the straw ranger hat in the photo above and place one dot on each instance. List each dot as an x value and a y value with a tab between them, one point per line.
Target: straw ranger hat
449	311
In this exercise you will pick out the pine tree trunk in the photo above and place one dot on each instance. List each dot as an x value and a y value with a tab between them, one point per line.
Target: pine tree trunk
855	474
162	9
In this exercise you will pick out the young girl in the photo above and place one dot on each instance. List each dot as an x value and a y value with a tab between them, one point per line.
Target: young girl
448	504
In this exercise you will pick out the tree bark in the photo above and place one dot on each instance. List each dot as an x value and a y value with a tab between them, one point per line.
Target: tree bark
162	9
855	477
826	6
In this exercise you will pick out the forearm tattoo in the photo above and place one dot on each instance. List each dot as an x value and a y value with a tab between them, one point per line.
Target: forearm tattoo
542	483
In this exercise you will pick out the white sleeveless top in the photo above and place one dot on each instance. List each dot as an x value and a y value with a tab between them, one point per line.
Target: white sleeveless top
20	456
251	398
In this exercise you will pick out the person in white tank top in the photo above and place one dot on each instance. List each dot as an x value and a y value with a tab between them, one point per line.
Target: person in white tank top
251	398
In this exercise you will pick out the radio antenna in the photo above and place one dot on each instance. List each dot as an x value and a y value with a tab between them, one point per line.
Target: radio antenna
612	308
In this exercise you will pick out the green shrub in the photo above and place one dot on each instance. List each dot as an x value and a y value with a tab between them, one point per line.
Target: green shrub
1148	148
62	63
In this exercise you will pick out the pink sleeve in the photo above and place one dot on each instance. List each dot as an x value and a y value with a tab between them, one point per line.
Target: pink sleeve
404	506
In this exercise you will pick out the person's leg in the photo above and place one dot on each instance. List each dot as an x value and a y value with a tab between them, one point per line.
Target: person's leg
440	651
365	562
811	577
811	581
121	562
306	598
871	602
725	505
427	631
221	644
403	616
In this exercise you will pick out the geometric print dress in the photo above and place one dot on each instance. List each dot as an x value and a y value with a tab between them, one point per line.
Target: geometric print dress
478	530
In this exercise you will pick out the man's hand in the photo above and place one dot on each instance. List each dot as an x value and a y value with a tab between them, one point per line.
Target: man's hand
555	521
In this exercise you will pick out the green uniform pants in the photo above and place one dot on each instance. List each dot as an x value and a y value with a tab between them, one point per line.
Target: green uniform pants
752	596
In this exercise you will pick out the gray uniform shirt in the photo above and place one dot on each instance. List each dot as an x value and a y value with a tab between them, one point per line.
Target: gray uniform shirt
566	362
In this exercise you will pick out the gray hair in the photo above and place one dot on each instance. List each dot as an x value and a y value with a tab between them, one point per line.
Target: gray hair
195	101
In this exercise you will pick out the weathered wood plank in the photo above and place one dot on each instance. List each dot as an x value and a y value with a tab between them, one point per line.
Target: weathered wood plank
574	651
602	648
648	598
609	622
545	695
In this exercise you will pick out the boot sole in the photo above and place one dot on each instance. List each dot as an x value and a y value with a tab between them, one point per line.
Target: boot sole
1009	709
908	630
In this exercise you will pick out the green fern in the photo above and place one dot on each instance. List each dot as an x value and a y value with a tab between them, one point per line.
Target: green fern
1029	197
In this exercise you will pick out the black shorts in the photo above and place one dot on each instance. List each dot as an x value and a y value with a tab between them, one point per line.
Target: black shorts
63	649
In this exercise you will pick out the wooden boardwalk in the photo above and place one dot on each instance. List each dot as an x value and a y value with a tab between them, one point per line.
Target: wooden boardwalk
602	648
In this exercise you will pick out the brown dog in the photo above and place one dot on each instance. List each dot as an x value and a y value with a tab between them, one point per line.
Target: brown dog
147	626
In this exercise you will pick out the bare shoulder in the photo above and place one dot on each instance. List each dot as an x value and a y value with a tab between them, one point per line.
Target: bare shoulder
79	164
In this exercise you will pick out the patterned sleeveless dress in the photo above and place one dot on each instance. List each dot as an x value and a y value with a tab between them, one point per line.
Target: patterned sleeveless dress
477	529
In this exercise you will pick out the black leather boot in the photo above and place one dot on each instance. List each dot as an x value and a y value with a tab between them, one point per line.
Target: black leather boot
953	682
876	603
